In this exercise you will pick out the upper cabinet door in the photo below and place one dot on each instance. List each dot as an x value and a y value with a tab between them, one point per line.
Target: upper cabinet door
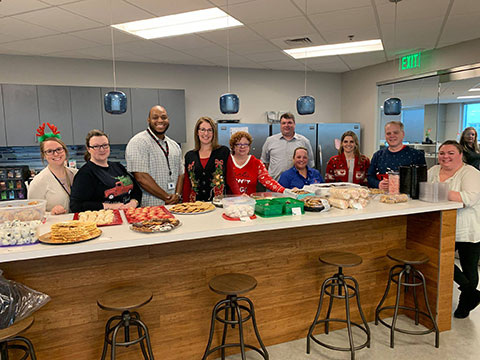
174	102
55	108
21	114
3	140
87	104
142	101
118	127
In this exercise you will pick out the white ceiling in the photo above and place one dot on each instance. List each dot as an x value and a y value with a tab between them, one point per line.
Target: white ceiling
80	29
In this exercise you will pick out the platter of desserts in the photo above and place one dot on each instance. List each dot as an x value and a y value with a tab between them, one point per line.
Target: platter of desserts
192	208
155	225
101	217
139	214
70	232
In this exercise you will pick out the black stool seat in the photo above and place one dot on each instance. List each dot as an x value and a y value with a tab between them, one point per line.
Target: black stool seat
125	299
232	284
408	276
11	334
340	286
229	312
408	256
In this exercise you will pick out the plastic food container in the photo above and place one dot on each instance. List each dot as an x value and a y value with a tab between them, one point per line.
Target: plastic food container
433	192
238	206
22	210
267	208
267	195
288	204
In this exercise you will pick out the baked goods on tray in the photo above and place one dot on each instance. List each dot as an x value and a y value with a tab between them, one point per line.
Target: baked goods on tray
393	199
100	217
73	231
315	203
147	213
155	225
196	207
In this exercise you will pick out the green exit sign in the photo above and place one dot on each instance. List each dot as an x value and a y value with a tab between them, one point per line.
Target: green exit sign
410	61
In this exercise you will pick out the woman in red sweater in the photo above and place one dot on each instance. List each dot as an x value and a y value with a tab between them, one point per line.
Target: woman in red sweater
247	168
349	165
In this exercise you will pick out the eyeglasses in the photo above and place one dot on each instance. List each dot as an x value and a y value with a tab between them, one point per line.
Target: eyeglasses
98	147
242	145
59	150
210	130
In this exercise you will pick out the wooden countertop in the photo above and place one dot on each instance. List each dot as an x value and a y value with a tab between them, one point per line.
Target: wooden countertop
211	225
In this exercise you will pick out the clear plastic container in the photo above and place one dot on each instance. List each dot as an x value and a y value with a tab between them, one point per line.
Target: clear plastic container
267	195
238	206
433	192
22	210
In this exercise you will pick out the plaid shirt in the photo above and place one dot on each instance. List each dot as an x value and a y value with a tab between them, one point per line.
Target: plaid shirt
144	155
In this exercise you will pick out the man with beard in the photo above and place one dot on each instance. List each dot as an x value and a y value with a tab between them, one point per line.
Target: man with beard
156	161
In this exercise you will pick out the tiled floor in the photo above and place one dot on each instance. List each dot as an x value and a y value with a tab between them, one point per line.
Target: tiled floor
461	342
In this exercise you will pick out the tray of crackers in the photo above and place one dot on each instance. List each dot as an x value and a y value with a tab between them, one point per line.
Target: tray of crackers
139	214
105	217
192	208
70	232
155	225
316	204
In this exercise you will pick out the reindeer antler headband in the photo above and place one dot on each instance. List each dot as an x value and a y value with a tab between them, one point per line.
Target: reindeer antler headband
41	132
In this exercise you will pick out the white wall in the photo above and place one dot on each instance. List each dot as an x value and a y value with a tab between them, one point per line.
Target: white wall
259	90
359	90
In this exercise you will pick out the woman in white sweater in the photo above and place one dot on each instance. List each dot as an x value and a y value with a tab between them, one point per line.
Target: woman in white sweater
464	186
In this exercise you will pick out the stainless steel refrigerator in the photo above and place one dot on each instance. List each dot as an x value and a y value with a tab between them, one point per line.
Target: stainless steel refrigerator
259	133
322	138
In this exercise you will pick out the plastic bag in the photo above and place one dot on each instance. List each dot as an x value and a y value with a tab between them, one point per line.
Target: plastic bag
18	301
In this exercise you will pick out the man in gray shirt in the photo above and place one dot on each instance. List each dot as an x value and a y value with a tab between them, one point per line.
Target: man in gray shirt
277	152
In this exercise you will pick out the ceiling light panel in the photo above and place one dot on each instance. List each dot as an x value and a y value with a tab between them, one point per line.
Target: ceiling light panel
469	97
353	47
180	24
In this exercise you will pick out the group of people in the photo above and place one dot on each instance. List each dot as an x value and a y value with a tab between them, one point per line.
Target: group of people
156	174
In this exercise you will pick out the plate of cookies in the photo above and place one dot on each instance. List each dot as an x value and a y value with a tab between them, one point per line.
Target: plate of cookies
155	225
105	217
70	232
192	208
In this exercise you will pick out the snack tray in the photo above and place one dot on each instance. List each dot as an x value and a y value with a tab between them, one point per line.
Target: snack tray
46	239
117	218
153	231
166	212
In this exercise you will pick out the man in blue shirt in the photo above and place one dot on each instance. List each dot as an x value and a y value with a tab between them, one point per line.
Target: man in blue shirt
392	157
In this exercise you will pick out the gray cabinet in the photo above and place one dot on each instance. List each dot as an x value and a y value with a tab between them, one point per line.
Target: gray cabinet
142	101
3	140
55	108
86	112
118	127
21	114
174	102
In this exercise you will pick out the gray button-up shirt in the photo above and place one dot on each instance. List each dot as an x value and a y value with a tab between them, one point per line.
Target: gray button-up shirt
277	152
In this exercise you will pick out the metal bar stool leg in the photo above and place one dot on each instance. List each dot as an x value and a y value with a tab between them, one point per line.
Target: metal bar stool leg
4	351
437	332
225	328
315	320
385	294
395	312
107	332
330	304
140	325
415	299
362	315
136	316
255	328
212	327
31	350
349	324
114	340
240	329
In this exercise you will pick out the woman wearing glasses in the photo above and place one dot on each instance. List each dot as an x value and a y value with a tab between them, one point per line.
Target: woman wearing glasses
102	184
208	168
247	168
54	182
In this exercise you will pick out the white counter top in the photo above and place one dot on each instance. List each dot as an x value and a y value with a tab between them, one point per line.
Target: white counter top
210	225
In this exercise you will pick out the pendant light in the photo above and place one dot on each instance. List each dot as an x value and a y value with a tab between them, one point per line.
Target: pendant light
306	103
229	103
115	102
393	105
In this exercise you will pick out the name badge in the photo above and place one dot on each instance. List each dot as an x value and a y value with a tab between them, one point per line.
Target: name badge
171	186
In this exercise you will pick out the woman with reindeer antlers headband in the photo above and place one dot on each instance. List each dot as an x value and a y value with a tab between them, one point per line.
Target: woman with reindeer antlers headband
54	182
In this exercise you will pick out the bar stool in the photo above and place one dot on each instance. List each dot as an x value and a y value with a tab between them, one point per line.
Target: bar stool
124	299
413	278
11	334
337	287
233	285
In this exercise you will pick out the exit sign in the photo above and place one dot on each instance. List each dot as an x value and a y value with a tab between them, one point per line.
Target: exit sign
410	61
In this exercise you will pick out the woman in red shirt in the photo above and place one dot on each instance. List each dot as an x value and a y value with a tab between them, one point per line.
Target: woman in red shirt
349	165
247	168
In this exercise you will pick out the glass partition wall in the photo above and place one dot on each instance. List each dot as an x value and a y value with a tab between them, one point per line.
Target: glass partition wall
435	107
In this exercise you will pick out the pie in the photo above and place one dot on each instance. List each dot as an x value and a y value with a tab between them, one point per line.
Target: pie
72	231
192	207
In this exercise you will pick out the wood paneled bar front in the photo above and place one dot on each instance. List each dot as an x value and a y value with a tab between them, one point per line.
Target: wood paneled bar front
281	253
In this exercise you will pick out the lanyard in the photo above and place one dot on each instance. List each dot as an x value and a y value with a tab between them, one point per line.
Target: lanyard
61	184
166	151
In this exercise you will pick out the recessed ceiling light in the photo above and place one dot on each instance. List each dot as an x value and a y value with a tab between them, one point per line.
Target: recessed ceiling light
180	24
469	97
351	47
475	88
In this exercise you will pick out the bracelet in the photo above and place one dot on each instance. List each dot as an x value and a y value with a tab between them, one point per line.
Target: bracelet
179	195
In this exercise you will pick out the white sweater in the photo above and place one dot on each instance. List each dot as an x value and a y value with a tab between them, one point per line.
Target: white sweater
466	181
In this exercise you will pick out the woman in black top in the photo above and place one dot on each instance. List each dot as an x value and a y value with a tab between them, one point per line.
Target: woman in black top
471	152
209	167
102	184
